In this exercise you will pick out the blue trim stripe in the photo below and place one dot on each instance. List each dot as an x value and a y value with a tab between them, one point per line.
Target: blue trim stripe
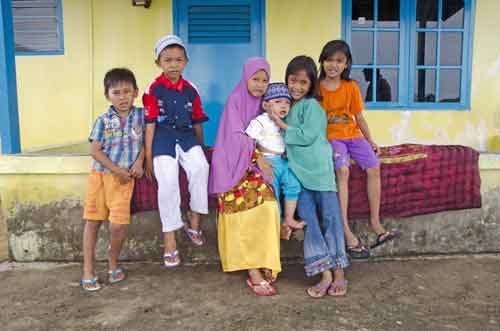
9	121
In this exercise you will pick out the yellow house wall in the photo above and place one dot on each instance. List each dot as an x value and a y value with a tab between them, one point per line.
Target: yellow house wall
54	93
125	36
59	96
291	32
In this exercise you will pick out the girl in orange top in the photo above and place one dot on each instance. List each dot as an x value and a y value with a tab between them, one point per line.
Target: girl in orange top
350	137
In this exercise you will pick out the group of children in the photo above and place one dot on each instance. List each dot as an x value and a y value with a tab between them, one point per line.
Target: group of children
273	139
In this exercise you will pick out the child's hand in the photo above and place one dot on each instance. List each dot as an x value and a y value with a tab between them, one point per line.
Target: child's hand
265	166
277	119
375	147
137	170
149	171
123	175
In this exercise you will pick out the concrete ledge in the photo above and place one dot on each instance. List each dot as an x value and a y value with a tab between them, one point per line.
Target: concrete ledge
489	161
36	164
53	232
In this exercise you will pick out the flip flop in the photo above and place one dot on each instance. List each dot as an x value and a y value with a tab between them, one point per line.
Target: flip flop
194	235
338	285
318	291
116	276
90	284
385	237
171	259
263	288
359	251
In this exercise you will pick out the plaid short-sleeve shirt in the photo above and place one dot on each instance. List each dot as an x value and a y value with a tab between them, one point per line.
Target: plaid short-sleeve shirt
121	138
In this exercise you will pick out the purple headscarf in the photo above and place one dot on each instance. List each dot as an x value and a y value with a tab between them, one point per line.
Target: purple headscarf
233	148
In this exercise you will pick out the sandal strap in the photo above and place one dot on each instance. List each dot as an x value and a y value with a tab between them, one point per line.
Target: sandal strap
263	284
339	284
322	287
193	231
89	281
114	273
383	234
171	254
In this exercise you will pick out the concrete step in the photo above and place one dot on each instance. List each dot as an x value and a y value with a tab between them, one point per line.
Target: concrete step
53	232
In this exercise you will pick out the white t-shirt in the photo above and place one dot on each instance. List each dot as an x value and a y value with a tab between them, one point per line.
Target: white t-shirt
266	133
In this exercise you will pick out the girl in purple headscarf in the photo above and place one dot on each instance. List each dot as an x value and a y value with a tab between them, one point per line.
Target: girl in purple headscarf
248	221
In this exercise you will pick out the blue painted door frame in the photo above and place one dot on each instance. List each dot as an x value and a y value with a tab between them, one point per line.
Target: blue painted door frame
9	120
215	66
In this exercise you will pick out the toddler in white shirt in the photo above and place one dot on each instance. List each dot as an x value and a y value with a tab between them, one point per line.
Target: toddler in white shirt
271	144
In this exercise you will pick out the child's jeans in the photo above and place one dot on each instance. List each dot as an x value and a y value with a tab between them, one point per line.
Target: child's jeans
324	245
284	180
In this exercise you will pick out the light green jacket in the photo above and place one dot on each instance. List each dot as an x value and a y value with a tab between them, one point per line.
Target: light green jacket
309	153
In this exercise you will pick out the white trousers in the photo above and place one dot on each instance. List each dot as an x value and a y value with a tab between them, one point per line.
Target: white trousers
166	170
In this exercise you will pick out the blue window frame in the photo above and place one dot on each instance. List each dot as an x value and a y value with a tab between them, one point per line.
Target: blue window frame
38	27
411	54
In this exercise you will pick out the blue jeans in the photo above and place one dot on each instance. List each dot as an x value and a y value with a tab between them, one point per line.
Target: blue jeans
324	245
284	180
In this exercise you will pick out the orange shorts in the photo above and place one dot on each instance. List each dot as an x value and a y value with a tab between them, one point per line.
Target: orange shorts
107	198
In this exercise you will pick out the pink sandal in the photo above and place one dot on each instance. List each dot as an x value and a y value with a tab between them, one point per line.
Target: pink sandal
318	291
261	289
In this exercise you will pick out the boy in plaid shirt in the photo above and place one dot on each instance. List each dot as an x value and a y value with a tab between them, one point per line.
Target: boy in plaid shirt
117	151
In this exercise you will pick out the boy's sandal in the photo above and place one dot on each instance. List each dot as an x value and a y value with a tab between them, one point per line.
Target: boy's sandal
385	237
318	291
90	284
172	259
116	276
338	288
263	288
359	251
194	235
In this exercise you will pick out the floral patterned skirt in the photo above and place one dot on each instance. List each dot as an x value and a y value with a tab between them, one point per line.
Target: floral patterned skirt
250	192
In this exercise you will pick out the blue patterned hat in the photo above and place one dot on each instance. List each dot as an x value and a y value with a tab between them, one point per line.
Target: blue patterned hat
277	90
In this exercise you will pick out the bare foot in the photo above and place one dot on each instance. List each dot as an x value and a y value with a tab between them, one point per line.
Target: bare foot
255	275
378	229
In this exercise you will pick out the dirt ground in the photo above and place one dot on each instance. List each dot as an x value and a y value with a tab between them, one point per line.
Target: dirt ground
459	293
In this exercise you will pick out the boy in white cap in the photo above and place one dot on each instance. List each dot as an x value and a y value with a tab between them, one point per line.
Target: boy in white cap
174	135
